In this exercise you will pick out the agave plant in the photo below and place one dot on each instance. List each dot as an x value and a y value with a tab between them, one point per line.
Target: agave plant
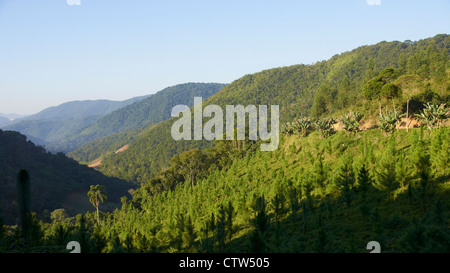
325	126
441	113
302	126
389	121
433	115
351	122
287	128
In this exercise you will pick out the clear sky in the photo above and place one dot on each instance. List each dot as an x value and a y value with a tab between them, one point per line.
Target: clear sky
52	52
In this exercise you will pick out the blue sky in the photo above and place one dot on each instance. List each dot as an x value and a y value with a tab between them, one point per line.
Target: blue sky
52	52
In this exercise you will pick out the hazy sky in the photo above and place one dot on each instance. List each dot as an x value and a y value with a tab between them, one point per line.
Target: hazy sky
52	52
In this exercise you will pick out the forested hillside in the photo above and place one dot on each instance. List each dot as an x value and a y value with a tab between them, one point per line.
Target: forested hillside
313	194
56	181
136	116
363	156
386	74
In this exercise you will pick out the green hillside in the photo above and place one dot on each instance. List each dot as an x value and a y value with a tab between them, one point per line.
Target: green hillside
346	171
313	194
327	88
151	110
135	117
56	181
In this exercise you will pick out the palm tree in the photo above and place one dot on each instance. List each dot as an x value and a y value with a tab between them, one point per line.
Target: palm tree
96	195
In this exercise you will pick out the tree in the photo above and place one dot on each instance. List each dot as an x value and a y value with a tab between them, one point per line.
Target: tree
260	224
346	179
409	84
403	170
376	86
191	164
440	74
96	195
321	100
386	172
442	158
370	71
58	215
278	205
402	63
24	202
372	89
221	229
261	220
364	181
390	91
421	162
320	178
2	229
188	234
230	212
294	203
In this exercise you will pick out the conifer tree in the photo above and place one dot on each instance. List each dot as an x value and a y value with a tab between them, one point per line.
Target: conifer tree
24	203
2	228
422	164
386	172
294	197
83	236
278	206
403	171
346	180
220	229
230	213
320	176
189	236
321	240
256	242
439	152
261	221
364	181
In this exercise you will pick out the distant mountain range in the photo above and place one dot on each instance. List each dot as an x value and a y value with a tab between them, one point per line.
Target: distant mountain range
144	112
81	109
12	116
6	119
56	123
67	126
